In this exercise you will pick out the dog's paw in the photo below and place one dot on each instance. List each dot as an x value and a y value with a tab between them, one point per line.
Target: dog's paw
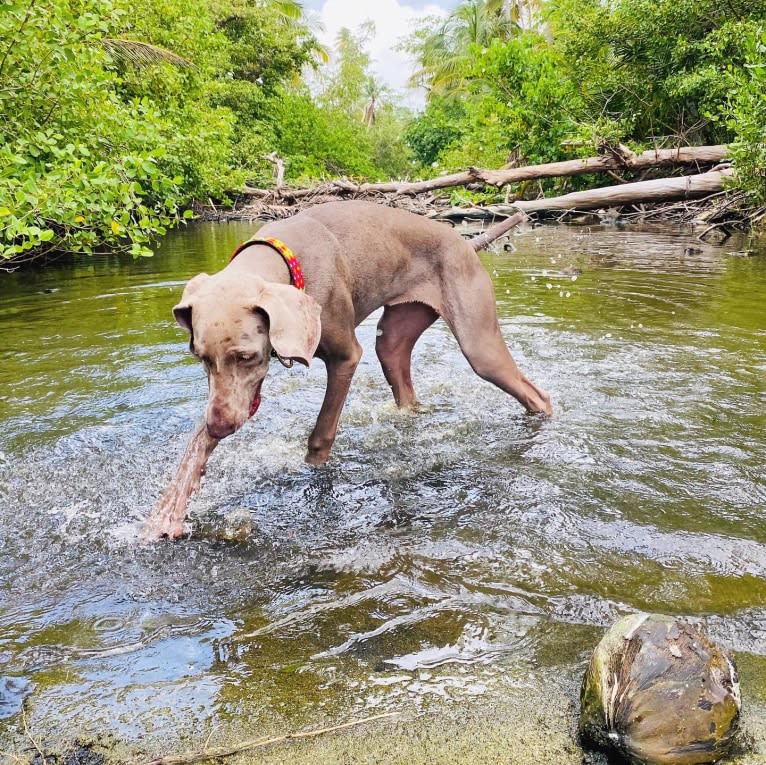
317	457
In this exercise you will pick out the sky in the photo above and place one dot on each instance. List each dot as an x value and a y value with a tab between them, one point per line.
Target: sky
393	20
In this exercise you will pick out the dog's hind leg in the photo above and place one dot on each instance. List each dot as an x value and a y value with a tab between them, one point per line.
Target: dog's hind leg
398	330
470	312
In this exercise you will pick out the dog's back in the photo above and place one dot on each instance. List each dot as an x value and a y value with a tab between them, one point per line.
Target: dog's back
381	255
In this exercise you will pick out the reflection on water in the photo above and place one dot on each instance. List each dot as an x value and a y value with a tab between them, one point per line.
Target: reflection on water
439	557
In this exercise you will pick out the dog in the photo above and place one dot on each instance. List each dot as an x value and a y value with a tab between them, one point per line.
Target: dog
352	258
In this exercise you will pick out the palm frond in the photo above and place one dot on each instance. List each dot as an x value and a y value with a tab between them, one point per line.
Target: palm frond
444	53
289	10
141	54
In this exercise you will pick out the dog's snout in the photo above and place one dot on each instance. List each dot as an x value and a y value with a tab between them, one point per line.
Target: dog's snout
220	422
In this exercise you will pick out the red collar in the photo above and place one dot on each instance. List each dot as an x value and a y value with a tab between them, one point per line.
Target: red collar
296	272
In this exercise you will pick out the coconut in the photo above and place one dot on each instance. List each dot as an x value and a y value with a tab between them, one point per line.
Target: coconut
658	691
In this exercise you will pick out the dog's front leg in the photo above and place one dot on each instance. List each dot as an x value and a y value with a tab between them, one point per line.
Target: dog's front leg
340	371
167	516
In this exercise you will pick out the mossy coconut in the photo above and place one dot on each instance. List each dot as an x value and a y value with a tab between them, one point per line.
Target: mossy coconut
658	692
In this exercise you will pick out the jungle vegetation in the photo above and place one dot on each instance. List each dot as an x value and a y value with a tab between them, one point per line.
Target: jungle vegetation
118	114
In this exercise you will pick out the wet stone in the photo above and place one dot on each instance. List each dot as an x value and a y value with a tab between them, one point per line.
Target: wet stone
13	690
80	753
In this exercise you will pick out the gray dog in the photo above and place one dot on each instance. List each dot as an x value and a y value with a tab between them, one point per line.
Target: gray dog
355	257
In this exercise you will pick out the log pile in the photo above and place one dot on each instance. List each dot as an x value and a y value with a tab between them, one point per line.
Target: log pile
617	160
701	189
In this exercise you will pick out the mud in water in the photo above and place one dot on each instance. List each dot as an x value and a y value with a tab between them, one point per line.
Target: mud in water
456	566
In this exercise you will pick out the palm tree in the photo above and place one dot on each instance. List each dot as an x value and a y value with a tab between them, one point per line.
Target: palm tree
288	10
444	54
141	54
374	93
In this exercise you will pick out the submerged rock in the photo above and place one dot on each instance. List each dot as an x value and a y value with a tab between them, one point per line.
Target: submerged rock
658	691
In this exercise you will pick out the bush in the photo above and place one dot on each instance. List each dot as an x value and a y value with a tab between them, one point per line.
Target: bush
319	142
441	125
79	166
748	117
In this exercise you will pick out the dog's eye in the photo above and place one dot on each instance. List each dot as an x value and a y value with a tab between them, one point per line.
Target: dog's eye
207	362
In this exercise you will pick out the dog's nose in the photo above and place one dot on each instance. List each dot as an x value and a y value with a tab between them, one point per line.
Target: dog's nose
220	429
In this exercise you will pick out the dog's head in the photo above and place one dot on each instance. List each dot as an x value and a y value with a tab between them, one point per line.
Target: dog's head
235	321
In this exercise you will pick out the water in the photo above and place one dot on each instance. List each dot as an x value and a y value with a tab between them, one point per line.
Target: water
440	565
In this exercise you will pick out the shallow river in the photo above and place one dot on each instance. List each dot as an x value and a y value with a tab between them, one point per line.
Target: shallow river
457	565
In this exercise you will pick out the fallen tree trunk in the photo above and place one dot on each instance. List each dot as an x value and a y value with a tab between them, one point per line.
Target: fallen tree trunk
495	232
661	190
621	159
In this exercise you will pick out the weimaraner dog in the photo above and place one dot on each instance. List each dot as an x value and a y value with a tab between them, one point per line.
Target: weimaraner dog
355	257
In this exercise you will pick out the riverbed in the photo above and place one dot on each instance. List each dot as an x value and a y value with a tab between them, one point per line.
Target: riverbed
455	566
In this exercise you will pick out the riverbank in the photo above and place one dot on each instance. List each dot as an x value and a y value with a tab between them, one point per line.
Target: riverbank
524	718
714	217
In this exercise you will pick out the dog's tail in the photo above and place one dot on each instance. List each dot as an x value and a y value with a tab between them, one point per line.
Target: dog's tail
496	231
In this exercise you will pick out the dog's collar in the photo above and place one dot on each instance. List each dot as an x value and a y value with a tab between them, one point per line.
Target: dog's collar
296	272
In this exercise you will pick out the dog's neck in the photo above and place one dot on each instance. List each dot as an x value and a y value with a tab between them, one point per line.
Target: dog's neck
261	260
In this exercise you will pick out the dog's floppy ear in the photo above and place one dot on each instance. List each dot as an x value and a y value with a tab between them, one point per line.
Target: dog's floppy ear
183	310
294	324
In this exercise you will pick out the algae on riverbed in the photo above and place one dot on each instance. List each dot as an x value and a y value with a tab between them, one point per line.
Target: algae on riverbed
457	565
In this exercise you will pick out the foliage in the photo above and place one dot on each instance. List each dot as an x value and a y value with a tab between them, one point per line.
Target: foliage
116	114
645	72
518	108
78	164
391	155
446	53
219	113
441	124
352	127
317	142
344	84
521	109
748	116
654	66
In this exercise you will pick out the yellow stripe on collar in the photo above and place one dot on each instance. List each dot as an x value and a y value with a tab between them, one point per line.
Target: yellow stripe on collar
294	266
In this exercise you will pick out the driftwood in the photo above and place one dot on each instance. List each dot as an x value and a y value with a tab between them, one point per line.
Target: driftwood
247	746
617	160
279	169
496	231
661	190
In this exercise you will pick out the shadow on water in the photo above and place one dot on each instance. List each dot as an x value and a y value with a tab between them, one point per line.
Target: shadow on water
441	558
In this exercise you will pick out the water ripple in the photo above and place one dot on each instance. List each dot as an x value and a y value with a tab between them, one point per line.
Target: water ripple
439	556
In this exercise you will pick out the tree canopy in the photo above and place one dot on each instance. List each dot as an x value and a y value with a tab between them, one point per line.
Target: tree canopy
118	114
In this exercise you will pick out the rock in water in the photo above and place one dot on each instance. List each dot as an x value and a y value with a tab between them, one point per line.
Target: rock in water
657	691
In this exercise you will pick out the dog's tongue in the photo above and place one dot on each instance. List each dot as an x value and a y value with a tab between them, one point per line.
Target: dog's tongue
256	402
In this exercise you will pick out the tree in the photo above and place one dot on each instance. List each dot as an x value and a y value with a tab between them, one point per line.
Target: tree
442	124
353	128
347	82
79	165
653	67
444	54
117	113
747	118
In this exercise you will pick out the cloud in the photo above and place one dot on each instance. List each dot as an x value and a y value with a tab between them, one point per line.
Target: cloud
393	21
